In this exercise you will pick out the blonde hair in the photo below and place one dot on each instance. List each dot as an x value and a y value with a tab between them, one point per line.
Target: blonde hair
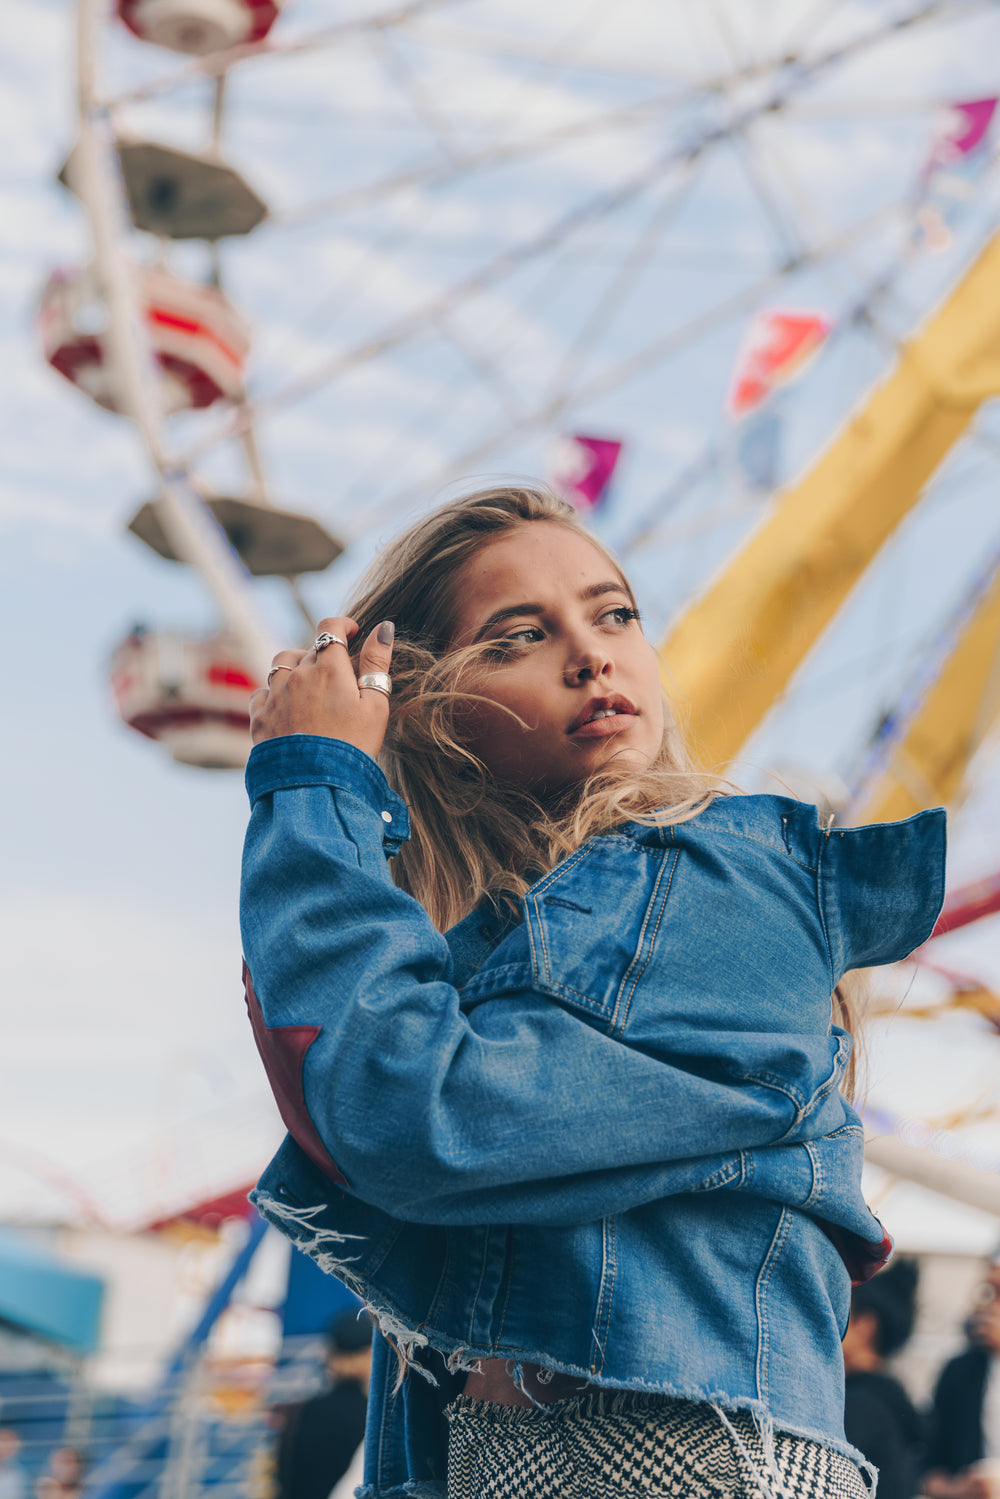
472	836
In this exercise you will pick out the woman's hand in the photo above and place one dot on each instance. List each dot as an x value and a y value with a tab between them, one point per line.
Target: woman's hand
312	692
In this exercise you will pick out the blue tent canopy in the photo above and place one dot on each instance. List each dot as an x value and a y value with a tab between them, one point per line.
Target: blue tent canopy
45	1296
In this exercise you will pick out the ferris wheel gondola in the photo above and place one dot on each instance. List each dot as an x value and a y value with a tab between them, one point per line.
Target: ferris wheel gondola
199	27
187	693
197	337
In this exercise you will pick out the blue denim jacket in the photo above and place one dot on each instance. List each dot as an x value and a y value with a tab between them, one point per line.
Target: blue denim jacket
607	1139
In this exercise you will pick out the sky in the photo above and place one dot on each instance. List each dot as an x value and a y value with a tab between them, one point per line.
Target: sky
489	225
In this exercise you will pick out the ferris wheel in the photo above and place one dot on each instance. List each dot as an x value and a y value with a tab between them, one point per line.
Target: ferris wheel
470	237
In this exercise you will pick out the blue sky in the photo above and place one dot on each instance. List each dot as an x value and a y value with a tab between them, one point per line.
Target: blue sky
129	1068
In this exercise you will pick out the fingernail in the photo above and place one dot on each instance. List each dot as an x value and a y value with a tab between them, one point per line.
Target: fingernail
386	632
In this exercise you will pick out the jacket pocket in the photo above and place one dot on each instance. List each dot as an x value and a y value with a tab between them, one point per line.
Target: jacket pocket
592	922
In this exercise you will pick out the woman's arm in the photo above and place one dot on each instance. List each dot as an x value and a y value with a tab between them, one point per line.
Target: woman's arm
428	1113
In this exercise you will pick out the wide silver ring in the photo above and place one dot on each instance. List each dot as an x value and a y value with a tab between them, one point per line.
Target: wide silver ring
380	681
322	641
277	668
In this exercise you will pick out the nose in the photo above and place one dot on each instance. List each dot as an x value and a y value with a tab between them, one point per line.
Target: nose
587	664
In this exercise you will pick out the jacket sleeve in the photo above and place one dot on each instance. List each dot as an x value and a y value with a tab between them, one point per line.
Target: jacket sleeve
411	1104
882	889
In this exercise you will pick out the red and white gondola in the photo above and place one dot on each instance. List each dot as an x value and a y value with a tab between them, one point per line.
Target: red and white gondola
189	694
201	342
198	27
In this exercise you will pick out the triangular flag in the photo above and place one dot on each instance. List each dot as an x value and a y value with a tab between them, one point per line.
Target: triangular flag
580	469
776	351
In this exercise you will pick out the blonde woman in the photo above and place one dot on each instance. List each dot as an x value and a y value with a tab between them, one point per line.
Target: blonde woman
549	1021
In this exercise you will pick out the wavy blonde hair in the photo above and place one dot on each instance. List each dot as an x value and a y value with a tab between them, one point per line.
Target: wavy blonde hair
472	836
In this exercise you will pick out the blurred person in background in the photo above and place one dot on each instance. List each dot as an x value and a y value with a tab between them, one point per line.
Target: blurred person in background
13	1479
879	1417
64	1480
320	1436
963	1449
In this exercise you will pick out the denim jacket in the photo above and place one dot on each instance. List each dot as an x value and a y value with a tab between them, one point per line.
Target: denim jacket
608	1138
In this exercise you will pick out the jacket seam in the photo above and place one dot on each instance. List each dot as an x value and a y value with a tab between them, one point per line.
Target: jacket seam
777	848
479	1286
534	895
443	1287
818	1183
615	1023
760	1299
821	908
602	1319
721	1178
509	1278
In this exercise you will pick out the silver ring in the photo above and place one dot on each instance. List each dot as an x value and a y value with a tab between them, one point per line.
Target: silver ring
277	668
379	680
322	641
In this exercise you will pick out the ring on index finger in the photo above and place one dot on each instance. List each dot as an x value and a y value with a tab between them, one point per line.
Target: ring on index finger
380	681
322	641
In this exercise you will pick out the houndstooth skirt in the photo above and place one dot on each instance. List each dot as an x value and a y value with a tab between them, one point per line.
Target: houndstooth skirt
610	1444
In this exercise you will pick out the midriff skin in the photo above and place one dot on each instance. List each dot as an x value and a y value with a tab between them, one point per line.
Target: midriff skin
492	1382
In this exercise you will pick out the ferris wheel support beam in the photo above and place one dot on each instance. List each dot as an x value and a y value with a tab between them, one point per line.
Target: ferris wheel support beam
191	530
733	652
961	1181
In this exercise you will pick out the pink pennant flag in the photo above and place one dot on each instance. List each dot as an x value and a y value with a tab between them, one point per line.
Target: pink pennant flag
963	131
580	469
776	351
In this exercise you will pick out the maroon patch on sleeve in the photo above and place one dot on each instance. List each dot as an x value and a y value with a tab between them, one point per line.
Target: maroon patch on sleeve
283	1051
862	1258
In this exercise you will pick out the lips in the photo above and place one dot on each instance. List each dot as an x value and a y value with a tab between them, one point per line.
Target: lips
611	713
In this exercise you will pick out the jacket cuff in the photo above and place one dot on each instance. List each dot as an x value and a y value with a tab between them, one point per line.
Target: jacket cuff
314	760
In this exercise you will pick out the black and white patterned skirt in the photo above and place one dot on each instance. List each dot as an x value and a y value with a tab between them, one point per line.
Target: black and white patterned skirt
613	1443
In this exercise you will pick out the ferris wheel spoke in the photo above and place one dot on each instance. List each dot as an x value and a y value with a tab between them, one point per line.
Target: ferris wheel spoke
434	174
400	73
622	284
482	366
810	25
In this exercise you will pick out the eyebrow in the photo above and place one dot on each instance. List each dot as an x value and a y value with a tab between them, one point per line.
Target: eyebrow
514	611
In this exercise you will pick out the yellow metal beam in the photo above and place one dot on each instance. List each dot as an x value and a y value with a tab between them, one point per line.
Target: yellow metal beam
732	653
928	766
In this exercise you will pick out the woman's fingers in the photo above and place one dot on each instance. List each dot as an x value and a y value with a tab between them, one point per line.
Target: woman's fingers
342	630
374	661
283	662
322	691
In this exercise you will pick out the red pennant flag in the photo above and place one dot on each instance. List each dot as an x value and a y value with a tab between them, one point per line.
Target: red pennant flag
581	467
777	349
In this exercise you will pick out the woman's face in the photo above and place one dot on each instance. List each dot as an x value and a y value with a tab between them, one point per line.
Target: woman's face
570	660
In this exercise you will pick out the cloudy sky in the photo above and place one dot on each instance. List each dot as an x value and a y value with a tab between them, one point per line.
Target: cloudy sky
490	223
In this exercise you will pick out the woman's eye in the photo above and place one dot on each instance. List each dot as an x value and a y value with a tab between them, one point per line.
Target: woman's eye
621	614
499	649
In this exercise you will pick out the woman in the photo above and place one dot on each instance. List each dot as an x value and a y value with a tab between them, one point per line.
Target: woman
585	1156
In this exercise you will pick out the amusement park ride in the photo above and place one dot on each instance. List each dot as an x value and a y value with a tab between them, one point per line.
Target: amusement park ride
145	342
